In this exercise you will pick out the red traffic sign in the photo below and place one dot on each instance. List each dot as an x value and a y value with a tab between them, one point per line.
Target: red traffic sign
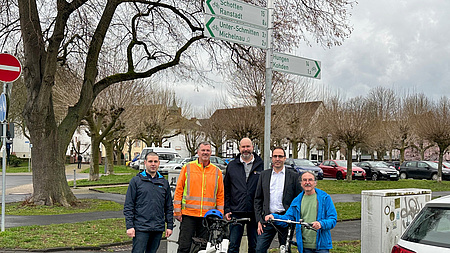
10	68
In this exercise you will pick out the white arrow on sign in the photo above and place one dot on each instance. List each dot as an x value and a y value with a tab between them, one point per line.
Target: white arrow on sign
223	29
2	107
238	10
296	65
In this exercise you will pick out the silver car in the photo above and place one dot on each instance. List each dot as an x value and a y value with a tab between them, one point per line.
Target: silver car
429	232
175	164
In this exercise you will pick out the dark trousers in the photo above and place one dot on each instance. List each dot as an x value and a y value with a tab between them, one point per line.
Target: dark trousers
146	241
237	230
265	239
190	227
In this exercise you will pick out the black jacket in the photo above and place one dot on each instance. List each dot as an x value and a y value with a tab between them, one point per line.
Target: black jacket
292	188
148	204
239	193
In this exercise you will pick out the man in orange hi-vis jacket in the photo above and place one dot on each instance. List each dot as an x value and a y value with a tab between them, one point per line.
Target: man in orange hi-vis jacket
199	189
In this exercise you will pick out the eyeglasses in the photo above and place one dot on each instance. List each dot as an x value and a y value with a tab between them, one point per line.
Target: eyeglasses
278	156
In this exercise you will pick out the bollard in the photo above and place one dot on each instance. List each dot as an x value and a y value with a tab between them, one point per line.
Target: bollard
74	178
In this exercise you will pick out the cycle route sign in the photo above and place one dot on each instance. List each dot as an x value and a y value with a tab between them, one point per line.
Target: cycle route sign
238	11
296	65
241	33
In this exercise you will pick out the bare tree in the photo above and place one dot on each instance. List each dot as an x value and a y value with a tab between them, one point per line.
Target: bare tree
74	33
404	127
433	125
159	119
193	135
215	133
100	123
148	37
381	105
350	123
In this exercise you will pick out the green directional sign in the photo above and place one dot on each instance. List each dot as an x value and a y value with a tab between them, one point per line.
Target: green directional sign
238	11
224	29
296	65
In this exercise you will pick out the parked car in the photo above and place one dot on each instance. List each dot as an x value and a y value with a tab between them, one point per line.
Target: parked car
338	169
172	165
219	162
134	163
395	164
164	154
376	170
302	165
429	232
422	170
445	164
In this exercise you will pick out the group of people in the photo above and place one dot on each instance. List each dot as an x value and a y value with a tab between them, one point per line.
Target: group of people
246	191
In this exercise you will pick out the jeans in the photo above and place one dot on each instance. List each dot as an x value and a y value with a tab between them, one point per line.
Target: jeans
146	241
190	227
265	239
315	250
237	230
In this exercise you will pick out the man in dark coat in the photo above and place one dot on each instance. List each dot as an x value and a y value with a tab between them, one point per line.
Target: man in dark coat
276	189
148	207
240	183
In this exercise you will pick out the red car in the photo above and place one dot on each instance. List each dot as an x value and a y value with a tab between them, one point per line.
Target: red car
338	169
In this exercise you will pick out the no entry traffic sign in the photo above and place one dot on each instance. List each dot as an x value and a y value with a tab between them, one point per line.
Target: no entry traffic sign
10	68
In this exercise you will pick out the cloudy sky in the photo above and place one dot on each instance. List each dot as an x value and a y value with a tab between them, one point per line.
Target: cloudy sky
403	45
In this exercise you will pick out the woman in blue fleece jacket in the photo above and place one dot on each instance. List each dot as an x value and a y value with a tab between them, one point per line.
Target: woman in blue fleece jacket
320	211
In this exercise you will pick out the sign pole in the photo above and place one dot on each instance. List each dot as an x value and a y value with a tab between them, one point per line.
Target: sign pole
3	168
268	86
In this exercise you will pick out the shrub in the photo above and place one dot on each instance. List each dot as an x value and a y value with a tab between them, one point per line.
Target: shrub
14	161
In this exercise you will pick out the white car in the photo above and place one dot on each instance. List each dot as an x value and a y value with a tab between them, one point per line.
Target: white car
429	232
175	164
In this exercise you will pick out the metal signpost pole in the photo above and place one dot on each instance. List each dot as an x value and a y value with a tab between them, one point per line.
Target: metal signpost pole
4	168
268	86
10	69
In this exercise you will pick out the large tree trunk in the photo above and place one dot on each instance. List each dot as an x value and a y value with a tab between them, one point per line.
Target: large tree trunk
109	150
294	149
94	167
119	157
49	174
349	163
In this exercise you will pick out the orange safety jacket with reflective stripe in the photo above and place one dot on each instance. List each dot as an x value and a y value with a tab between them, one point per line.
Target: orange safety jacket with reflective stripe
198	190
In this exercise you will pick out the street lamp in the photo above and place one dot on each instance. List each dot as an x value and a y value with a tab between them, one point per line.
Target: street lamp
329	140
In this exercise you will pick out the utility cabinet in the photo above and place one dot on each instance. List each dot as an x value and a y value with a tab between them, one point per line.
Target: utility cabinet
385	214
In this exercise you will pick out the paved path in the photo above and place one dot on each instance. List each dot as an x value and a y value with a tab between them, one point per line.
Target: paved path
344	231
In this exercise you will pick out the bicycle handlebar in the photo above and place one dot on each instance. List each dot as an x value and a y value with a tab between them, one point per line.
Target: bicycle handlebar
305	224
233	220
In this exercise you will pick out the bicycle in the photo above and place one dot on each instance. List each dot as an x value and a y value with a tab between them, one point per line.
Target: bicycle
218	232
291	229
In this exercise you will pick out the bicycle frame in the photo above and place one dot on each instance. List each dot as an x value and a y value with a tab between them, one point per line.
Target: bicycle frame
292	224
217	229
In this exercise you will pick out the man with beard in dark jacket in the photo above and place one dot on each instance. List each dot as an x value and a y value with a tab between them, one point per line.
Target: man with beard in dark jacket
240	183
148	206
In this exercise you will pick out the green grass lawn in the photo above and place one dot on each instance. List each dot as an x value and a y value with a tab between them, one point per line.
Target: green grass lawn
84	206
95	233
90	233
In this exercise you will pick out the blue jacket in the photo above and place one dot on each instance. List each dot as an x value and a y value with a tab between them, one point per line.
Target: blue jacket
239	192
326	215
148	204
